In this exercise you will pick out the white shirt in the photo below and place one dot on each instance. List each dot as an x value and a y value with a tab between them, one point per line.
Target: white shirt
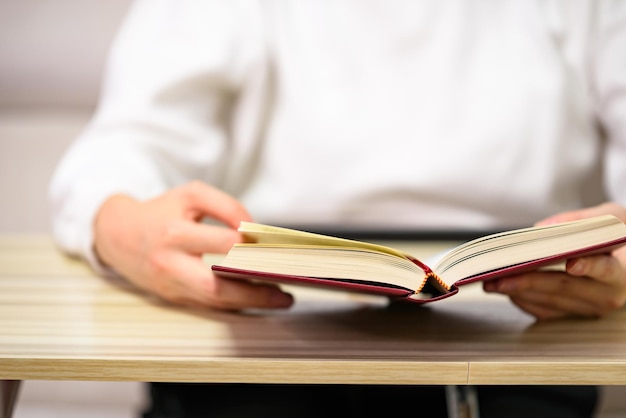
415	114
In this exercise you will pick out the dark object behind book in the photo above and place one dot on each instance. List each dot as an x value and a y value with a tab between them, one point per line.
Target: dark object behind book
396	234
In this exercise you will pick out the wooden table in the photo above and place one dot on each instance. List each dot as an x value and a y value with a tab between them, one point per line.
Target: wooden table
58	321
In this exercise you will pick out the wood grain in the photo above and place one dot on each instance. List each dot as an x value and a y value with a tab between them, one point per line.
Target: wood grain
58	321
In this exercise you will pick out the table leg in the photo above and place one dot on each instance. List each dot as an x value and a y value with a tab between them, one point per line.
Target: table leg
9	390
462	401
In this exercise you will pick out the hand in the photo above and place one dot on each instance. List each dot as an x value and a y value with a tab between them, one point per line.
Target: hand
591	286
158	245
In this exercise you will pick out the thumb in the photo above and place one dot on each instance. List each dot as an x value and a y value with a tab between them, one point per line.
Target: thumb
575	215
209	201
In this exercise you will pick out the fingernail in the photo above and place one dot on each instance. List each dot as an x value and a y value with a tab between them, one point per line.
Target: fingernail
577	267
281	299
507	286
490	286
500	286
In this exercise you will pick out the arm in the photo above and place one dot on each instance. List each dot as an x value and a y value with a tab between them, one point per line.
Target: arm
123	196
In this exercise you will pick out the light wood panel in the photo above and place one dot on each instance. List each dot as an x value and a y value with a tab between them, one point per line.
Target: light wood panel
58	321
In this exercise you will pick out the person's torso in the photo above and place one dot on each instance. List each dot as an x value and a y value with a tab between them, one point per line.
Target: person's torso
416	114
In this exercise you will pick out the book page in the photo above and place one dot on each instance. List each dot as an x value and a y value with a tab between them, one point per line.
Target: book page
266	234
523	245
272	235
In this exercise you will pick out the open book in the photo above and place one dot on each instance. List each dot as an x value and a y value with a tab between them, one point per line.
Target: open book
296	257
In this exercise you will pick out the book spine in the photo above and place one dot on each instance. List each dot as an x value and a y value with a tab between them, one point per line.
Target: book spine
429	275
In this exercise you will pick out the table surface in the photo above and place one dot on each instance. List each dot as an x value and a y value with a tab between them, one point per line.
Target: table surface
58	321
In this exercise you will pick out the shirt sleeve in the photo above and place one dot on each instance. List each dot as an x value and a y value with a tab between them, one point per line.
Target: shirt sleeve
171	80
609	85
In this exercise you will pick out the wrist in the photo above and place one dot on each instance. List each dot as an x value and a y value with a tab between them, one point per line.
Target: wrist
109	229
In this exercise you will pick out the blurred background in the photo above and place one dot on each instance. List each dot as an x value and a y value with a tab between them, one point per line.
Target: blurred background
51	61
52	54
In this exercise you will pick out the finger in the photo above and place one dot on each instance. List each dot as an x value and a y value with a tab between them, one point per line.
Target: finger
197	238
539	311
608	208
546	305
608	273
238	294
549	283
576	295
601	268
207	201
196	284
